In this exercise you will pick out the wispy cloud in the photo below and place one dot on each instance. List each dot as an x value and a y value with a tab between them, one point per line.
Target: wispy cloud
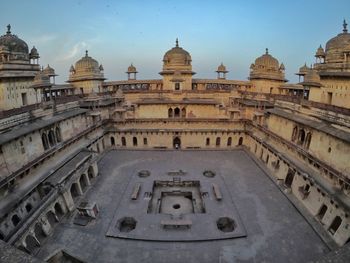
77	48
43	39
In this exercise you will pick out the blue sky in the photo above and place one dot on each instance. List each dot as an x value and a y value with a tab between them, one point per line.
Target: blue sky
117	33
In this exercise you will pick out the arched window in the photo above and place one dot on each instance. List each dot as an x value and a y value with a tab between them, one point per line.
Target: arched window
218	141
177	113
123	141
112	141
28	207
240	141
45	141
134	141
229	141
301	136
170	112
15	220
335	225
52	139
207	143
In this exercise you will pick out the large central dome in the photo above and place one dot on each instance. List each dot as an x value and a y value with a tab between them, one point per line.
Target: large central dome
14	44
336	46
177	59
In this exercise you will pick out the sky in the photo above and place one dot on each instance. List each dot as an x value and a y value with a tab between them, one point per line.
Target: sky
118	33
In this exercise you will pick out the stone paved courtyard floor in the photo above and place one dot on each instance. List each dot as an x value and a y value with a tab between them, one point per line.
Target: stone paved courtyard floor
276	232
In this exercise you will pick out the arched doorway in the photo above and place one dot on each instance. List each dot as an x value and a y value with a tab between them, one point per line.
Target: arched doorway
177	143
177	113
31	243
39	233
58	210
240	141
207	142
218	141
123	141
52	139
170	112
83	182
134	141
45	141
74	191
51	218
112	141
229	141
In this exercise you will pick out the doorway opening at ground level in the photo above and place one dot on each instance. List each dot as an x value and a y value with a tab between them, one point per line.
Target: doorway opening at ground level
177	143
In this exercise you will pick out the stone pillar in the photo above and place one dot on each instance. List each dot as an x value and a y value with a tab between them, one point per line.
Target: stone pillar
87	179
95	167
47	229
68	200
37	242
80	191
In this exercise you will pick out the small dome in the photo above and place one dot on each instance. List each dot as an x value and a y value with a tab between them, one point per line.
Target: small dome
49	71
14	45
177	56
303	70
312	78
336	46
41	79
131	69
34	53
221	68
282	67
320	52
101	68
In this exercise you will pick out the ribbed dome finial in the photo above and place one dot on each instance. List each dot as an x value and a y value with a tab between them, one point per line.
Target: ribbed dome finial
8	29
86	53
345	30
177	42
267	51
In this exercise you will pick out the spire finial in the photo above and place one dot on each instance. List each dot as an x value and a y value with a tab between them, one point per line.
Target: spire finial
177	42
8	29
267	51
86	53
345	30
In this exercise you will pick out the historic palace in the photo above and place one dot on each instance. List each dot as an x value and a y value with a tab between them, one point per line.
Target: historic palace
175	169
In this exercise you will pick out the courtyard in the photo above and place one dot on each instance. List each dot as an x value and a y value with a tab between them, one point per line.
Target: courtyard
266	227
